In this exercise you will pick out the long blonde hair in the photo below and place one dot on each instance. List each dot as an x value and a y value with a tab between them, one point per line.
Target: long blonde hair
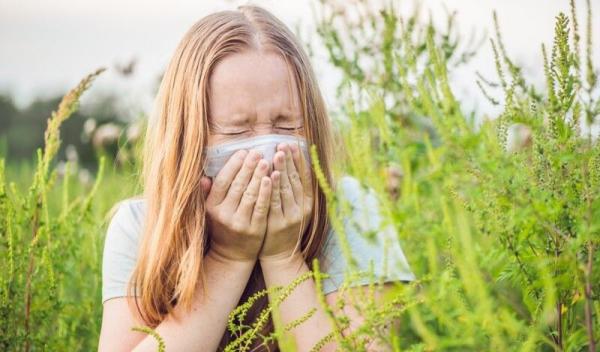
174	239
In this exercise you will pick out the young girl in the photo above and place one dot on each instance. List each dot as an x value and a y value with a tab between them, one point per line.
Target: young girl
231	205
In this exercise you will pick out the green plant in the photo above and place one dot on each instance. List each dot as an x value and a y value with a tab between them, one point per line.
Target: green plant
502	229
35	242
504	239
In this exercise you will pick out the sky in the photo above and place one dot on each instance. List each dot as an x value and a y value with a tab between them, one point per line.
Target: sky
46	47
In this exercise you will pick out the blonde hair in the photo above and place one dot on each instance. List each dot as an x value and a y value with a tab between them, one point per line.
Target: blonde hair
174	239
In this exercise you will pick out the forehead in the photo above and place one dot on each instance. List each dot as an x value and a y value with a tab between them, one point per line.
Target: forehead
254	85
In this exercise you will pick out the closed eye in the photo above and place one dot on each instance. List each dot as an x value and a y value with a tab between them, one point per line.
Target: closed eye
242	132
234	133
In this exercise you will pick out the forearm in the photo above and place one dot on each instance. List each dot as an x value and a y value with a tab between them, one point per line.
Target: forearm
302	299
201	328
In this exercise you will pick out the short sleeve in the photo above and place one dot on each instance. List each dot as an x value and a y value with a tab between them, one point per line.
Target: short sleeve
120	250
373	245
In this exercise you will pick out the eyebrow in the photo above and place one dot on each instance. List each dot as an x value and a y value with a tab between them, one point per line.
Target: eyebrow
238	119
287	116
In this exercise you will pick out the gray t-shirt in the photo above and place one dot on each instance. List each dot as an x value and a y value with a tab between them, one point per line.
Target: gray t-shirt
122	240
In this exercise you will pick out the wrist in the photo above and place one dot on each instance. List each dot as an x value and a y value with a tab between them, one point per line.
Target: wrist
282	270
281	260
229	262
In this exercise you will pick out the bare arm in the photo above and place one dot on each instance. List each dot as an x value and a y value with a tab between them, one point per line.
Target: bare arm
302	299
200	329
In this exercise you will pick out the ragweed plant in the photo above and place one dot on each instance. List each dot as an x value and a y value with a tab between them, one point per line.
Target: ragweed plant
363	40
37	243
548	197
504	239
499	219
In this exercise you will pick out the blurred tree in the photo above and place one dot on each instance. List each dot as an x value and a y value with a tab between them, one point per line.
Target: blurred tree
7	112
22	130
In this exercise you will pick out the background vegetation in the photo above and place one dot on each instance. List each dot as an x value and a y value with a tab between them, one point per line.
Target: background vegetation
499	218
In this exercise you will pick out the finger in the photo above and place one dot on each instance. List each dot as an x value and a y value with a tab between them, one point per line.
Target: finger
222	181
240	182
285	188
293	174
303	168
276	208
261	208
250	195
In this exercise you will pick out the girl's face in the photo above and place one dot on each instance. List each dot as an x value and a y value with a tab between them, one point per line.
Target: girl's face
250	96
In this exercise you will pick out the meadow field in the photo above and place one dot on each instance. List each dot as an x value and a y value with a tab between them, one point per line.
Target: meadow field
499	216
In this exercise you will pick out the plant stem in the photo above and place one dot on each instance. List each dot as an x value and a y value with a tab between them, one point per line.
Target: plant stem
30	274
559	338
589	323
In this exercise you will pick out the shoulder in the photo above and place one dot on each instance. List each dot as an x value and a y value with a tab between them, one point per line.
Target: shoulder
350	186
121	245
126	218
358	207
362	201
362	240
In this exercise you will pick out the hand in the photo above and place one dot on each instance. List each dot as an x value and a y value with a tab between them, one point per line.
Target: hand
291	203
237	207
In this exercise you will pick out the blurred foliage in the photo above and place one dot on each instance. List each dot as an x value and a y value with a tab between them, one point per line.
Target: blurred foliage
101	127
499	220
365	40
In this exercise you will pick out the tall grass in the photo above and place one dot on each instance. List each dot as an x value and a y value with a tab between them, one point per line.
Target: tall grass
36	240
499	219
504	237
51	240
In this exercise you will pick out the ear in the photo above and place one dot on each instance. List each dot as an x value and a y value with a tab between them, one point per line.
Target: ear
205	183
